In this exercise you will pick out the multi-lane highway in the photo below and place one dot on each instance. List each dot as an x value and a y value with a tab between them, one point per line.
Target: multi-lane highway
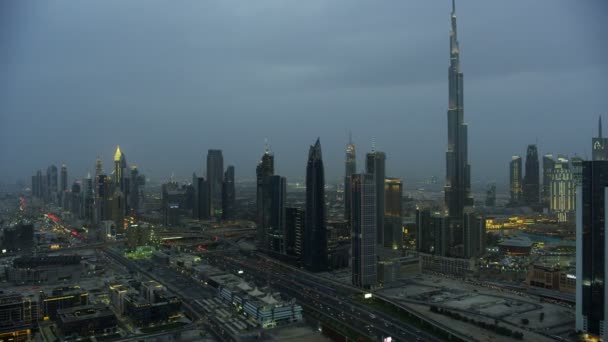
314	295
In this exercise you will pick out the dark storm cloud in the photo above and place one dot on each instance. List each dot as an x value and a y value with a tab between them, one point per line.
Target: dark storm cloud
169	81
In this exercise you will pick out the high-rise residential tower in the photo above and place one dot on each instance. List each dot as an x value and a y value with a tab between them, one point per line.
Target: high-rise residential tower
315	229
375	163
599	144
215	177
458	170
363	228
561	189
516	180
591	296
532	179
349	170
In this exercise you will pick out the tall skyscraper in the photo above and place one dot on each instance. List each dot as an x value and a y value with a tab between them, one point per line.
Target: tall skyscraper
458	170
215	177
315	230
51	175
103	193
64	178
228	194
599	144
274	195
548	166
74	199
531	179
375	163
350	169
98	167
37	184
265	168
561	190
134	191
591	296
200	207
393	196
120	166
88	199
363	221
516	180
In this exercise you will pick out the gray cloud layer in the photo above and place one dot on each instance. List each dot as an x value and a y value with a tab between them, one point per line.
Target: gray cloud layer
167	81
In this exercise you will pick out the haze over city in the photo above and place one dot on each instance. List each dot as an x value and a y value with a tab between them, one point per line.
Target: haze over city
166	82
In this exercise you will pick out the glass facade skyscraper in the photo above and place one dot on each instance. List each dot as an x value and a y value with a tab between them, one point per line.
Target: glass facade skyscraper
591	238
458	171
315	228
363	221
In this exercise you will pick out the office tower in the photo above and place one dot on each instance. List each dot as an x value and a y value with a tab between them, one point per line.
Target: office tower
315	229
599	144
103	191
137	181
120	166
458	170
350	169
491	195
375	165
74	199
228	194
531	179
117	209
548	165
215	177
591	296
273	197
577	170
51	175
98	166
37	184
363	227
294	231
88	199
561	190
64	178
200	208
474	230
393	197
265	168
516	180
431	232
174	203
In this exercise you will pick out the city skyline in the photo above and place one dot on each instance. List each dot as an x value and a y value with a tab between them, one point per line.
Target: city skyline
391	92
394	250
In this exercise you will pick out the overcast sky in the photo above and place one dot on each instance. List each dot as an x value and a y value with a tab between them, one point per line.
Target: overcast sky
167	80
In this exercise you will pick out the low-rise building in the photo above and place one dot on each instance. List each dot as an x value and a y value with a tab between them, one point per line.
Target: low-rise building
86	320
265	308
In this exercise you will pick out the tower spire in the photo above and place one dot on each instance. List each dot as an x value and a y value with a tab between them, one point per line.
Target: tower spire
453	6
350	137
600	127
